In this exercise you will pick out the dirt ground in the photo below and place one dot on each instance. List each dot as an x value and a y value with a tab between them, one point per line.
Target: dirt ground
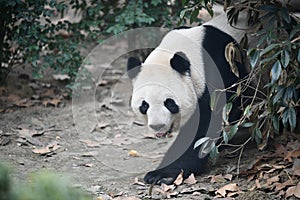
104	161
91	168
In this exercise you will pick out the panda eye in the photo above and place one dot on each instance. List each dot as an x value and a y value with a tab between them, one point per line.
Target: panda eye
144	107
171	106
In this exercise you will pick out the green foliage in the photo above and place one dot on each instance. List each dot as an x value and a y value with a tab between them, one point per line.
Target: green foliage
274	61
275	55
191	10
41	34
5	186
31	35
44	185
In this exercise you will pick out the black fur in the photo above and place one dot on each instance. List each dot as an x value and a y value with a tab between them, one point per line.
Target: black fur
144	107
214	42
171	106
133	67
181	63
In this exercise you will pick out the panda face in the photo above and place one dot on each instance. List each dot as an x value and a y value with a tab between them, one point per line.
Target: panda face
163	94
161	113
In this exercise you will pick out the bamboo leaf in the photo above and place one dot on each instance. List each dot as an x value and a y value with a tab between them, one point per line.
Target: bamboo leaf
285	58
276	70
201	141
225	137
292	118
247	124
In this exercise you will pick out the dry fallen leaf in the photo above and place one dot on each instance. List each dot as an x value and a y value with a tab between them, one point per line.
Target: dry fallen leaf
296	167
27	132
48	93
137	182
257	184
217	179
126	198
191	180
280	186
272	180
2	90
179	179
167	191
293	191
13	98
53	146
223	191
167	188
90	143
54	102
24	103
88	165
102	125
228	177
133	153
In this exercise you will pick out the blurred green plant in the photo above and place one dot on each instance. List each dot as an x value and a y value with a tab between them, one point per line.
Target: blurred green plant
43	185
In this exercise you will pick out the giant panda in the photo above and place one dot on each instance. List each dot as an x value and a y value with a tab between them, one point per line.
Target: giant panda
171	94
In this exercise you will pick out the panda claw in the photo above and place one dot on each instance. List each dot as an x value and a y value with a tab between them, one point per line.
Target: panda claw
158	177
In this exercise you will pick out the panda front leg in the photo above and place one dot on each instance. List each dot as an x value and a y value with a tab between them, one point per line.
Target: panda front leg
189	162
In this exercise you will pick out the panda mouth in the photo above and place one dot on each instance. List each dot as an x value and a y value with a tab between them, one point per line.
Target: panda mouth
165	134
162	135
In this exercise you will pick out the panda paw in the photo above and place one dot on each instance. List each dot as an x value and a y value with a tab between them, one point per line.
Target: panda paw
166	176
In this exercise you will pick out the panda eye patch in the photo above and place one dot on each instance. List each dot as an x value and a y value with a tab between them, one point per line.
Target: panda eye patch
171	106
144	107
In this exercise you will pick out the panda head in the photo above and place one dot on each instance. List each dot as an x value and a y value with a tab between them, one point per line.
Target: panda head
163	93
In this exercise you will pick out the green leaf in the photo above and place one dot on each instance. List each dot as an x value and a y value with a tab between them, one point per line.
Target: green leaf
257	135
261	40
276	70
254	56
225	112
269	8
214	97
206	147
275	122
285	58
298	58
247	124
247	110
201	141
194	15
292	118
279	94
225	137
182	14
294	31
214	154
270	58
285	15
269	48
233	131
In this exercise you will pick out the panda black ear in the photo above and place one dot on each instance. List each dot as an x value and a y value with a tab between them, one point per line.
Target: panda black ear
180	63
133	67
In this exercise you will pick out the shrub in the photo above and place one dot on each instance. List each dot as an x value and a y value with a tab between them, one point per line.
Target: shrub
38	33
274	63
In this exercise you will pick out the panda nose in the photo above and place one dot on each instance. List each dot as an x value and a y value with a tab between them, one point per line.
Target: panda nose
157	127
